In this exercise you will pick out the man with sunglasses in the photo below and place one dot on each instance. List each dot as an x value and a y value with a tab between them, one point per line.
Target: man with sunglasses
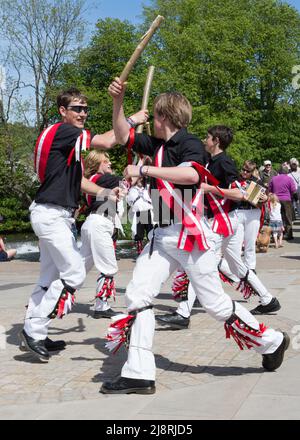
59	167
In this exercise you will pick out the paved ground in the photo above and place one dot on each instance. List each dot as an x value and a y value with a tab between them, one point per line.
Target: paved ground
200	375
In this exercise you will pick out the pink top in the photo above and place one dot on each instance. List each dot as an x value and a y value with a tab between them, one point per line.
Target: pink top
283	186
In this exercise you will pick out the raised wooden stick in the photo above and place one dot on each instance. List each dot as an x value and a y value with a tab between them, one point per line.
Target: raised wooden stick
146	96
141	46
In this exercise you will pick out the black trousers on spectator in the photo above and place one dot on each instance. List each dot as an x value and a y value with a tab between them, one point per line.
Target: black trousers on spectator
287	218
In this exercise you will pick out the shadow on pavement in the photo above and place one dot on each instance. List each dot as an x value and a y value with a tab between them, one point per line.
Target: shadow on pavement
165	364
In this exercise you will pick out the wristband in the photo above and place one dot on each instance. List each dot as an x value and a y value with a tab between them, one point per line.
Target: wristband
141	171
131	122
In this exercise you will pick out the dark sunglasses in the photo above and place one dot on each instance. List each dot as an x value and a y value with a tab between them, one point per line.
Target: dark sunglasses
246	171
78	108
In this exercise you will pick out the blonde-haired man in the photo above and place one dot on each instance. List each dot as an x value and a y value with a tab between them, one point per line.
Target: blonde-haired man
175	177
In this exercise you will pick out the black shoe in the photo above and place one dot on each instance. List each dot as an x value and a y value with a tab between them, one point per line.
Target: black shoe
273	306
36	347
105	314
273	361
174	320
54	345
125	385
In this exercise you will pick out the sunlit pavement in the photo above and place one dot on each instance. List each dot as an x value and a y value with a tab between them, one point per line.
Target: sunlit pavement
200	374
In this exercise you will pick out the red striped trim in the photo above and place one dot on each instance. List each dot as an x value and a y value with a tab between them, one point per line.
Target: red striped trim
130	145
42	150
93	179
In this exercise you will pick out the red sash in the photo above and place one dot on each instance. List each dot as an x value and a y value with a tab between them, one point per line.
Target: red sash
42	150
44	144
192	229
93	179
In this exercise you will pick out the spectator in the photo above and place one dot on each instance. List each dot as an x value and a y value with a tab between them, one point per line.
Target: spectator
6	254
267	173
139	200
284	188
295	174
276	220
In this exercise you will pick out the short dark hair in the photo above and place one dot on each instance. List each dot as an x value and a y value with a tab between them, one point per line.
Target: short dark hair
66	96
223	133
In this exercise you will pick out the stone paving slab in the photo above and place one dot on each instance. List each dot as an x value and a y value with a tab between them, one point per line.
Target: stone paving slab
197	366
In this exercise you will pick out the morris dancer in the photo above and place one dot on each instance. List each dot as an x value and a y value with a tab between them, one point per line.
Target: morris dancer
177	155
58	165
97	232
141	211
249	216
231	266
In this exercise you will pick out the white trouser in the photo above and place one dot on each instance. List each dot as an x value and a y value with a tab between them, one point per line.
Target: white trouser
148	276
231	250
59	260
98	249
249	222
231	265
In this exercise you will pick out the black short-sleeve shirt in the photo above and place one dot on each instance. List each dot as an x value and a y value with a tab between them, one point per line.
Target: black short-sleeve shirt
182	147
106	180
224	169
62	182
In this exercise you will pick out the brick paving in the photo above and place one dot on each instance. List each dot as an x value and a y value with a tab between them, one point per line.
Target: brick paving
196	356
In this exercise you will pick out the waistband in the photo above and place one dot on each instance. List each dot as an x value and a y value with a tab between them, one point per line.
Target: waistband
104	214
247	207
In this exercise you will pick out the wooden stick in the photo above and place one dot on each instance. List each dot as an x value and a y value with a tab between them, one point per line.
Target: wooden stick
141	46
146	95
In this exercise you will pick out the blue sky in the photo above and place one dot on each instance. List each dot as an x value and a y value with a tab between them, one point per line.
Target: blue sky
128	9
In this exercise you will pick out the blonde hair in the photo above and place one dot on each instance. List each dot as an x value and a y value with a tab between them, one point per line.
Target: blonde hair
175	107
92	162
273	199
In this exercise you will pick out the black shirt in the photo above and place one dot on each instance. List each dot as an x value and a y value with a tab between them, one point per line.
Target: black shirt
62	182
182	147
224	169
105	181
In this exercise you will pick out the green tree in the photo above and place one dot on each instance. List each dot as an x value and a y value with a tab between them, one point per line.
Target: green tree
234	60
94	68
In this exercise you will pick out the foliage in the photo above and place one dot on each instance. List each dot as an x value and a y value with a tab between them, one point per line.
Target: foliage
233	60
16	218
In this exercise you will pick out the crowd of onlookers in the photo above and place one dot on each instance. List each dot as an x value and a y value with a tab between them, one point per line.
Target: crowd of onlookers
284	194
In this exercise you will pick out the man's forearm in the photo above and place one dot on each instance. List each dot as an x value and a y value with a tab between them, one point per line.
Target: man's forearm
104	141
178	175
233	194
91	188
120	125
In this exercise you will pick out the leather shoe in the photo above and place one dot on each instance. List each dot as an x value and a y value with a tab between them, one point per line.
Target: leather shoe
54	345
105	314
273	361
35	346
273	306
126	385
174	320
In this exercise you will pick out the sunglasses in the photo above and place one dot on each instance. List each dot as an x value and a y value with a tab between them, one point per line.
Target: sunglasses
246	171
78	108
